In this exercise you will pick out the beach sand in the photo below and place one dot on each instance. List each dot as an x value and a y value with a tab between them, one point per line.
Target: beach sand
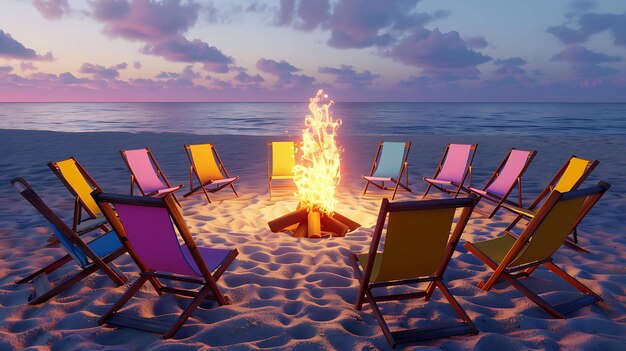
299	294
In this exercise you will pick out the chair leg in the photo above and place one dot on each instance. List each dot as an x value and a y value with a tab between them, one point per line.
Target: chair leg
455	304
367	184
427	190
517	219
234	191
534	297
63	285
573	281
187	312
122	300
395	190
206	194
380	319
47	269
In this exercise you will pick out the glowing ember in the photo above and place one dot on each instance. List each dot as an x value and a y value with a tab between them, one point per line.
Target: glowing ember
318	173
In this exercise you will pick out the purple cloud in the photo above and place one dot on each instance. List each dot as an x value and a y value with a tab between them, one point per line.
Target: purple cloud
12	49
5	69
513	61
145	20
52	9
580	54
592	71
567	35
432	49
100	72
27	66
347	75
593	23
510	66
581	5
179	49
137	65
243	77
305	15
285	12
476	42
275	67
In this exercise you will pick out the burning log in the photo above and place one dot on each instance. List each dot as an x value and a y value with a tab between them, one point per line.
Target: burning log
313	224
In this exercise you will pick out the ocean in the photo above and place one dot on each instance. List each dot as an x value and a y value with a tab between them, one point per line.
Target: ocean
515	119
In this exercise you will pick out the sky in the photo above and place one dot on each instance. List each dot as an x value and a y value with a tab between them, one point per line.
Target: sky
275	51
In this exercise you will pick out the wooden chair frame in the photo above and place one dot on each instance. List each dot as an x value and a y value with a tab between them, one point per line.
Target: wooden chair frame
497	200
468	171
44	289
79	204
404	169
366	294
512	274
530	212
160	174
208	288
269	171
203	186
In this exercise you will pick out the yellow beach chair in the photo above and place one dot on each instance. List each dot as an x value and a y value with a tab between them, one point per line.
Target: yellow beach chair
281	159
208	168
568	178
513	257
80	184
418	247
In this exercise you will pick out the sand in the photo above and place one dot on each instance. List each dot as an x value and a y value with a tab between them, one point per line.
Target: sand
298	294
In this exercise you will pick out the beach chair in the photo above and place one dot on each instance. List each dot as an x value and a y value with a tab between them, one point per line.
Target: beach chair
80	184
97	254
418	247
454	167
147	226
142	164
568	178
389	166
513	257
508	174
281	159
208	168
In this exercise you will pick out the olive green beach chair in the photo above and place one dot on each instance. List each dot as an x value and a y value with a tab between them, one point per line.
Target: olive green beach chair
418	246
512	258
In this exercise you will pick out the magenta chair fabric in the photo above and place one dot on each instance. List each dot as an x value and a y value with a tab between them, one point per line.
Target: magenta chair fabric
455	164
153	237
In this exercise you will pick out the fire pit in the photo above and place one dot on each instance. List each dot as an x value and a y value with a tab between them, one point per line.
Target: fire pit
316	177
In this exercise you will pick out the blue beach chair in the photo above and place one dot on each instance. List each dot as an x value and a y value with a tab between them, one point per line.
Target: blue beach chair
389	166
90	257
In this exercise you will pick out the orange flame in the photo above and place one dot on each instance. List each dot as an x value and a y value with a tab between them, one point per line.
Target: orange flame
318	172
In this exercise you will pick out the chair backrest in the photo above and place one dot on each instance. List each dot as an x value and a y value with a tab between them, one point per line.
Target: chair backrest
75	178
555	219
574	174
418	241
509	171
146	227
66	236
391	159
456	162
283	158
140	164
204	161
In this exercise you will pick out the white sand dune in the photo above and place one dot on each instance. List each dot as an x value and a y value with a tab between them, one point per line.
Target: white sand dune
298	294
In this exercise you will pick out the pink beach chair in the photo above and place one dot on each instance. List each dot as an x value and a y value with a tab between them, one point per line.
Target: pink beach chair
453	169
508	174
141	164
147	227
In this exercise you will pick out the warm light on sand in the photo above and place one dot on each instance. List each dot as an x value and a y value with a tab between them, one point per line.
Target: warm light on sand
318	172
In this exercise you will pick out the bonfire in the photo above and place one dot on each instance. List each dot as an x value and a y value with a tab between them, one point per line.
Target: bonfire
317	175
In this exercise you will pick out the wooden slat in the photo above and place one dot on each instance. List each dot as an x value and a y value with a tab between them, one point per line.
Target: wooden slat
415	335
570	306
147	324
42	285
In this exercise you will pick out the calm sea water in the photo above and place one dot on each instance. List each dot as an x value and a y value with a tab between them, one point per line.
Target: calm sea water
288	118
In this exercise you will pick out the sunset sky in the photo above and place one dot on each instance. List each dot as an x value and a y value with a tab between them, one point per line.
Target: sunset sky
359	50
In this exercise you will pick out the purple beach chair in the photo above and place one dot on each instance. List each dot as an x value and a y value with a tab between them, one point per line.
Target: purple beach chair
508	174
147	226
142	164
453	169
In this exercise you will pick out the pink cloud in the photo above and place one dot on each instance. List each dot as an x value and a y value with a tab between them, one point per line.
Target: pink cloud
348	75
52	9
580	54
179	49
